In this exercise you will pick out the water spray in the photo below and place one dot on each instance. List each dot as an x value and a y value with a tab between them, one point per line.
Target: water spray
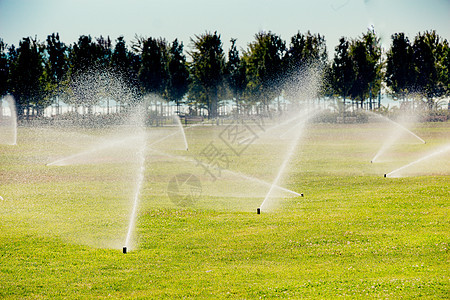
180	126
10	138
445	148
139	183
395	134
230	172
286	160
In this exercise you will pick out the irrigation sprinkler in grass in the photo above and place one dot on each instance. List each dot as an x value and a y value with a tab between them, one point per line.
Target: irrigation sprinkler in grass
258	210
439	151
125	250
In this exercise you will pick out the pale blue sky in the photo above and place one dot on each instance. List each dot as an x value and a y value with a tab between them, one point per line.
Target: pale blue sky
240	19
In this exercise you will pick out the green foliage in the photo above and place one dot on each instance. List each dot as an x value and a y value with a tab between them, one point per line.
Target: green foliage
254	78
178	73
26	77
154	74
366	53
444	67
86	54
304	51
418	70
343	75
120	59
207	71
264	67
236	73
356	69
4	69
399	66
57	62
425	65
305	57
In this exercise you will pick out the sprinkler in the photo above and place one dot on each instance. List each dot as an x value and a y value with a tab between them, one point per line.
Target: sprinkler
384	175
125	250
301	195
258	211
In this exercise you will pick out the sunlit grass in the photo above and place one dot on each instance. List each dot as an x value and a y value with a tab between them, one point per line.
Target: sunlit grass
353	234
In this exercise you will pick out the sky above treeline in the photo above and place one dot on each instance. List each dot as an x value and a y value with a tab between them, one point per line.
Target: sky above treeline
240	19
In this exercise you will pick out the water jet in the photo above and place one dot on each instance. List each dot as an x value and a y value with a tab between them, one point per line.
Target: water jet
300	129
439	151
8	121
394	135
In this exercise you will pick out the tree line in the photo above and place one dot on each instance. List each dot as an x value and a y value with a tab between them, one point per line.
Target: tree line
37	73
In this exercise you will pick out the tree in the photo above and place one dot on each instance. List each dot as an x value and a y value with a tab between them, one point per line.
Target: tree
399	66
264	67
153	73
120	60
103	52
207	71
343	70
124	67
305	50
88	60
178	74
56	66
83	55
305	53
57	63
366	53
444	67
427	53
4	70
26	78
235	74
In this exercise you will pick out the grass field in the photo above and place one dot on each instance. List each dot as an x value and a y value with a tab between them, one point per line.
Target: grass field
354	233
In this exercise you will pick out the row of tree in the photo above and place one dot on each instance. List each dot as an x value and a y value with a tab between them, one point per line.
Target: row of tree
38	73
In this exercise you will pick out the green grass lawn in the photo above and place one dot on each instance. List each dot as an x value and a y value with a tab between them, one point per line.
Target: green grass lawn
354	233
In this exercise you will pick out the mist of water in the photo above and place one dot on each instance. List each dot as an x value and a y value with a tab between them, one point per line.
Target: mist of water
180	126
297	130
437	152
394	135
231	173
140	176
8	121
